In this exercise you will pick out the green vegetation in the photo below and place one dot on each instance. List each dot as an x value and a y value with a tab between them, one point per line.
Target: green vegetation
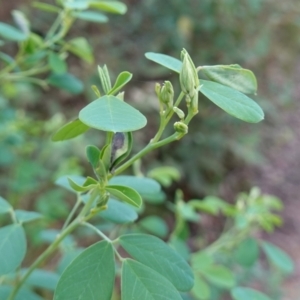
117	232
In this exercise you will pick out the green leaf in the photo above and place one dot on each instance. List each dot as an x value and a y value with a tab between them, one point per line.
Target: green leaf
87	185
24	216
155	225
211	204
180	246
247	252
219	275
78	4
91	16
109	113
5	291
56	63
141	282
42	279
146	187
115	7
233	102
119	212
64	181
90	275
67	258
201	289
70	130
46	7
11	33
93	155
4	206
241	293
237	78
6	58
167	61
278	257
126	194
66	82
121	81
156	254
12	247
201	260
164	175
81	48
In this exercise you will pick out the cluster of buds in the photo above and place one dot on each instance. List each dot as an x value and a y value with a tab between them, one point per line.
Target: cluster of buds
165	94
189	81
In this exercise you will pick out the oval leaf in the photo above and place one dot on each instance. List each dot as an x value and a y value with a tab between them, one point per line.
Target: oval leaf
241	293
156	254
235	77
23	293
90	276
278	257
154	225
119	212
79	4
12	247
247	252
142	282
81	48
24	216
64	181
121	81
232	101
11	33
167	61
56	63
109	113
219	275
114	7
42	279
66	82
201	289
91	16
4	206
146	187
70	130
126	194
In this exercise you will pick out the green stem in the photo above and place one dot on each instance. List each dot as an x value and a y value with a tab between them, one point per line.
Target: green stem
73	225
151	146
165	120
71	215
44	256
100	233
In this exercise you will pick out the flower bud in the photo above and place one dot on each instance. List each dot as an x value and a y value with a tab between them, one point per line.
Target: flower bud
188	76
167	94
194	102
179	112
181	127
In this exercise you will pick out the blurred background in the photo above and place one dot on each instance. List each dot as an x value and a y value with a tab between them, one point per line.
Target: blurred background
220	156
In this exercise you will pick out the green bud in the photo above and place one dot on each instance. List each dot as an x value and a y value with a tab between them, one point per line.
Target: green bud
104	78
194	102
157	89
181	127
179	112
167	94
188	76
